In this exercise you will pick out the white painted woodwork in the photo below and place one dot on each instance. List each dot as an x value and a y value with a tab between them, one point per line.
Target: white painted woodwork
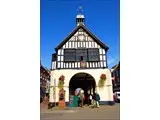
59	52
100	57
89	45
100	51
62	51
104	57
93	64
58	64
58	58
101	64
69	44
61	64
96	64
78	64
104	64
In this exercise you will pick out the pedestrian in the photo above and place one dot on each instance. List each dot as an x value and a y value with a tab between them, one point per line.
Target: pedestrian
97	98
82	97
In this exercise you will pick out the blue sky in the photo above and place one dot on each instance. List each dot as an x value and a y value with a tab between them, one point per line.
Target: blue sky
58	19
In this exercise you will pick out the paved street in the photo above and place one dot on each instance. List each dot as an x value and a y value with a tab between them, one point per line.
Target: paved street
86	113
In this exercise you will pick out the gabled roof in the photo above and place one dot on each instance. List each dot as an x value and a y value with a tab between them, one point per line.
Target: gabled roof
89	32
115	67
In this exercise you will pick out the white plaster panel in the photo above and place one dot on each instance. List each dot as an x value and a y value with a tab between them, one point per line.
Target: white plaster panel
87	65
95	44
66	44
54	65
100	57
75	44
103	51
84	45
64	65
96	64
104	57
58	64
106	93
62	51
58	58
89	45
78	64
62	58
100	51
59	52
61	64
69	45
75	65
81	44
101	64
93	64
78	44
104	64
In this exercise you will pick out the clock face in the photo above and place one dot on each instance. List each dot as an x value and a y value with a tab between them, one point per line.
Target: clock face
81	37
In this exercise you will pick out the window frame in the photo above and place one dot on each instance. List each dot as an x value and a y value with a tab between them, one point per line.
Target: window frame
93	52
71	55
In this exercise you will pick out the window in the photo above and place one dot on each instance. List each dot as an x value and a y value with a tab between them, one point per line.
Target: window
117	73
72	55
93	54
69	55
81	55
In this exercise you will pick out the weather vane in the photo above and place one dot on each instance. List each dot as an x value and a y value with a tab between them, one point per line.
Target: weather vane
80	10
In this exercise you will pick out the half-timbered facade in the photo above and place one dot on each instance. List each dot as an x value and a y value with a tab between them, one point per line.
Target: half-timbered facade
81	56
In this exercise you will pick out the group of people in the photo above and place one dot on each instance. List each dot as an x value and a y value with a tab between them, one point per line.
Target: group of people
93	98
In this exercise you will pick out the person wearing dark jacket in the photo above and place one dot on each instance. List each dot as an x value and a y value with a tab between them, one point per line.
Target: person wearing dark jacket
97	99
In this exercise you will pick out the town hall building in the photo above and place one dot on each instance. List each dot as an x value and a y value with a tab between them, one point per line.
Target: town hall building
80	61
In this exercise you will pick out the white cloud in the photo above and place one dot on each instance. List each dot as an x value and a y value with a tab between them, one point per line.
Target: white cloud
111	60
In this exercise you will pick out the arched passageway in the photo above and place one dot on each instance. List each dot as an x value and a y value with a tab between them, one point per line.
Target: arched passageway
84	81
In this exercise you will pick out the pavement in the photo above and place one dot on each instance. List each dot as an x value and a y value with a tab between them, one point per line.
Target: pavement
105	112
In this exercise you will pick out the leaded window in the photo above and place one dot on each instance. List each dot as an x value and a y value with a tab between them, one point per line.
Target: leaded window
81	55
69	55
93	54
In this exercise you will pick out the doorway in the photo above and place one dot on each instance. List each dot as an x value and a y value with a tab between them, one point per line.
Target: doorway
84	81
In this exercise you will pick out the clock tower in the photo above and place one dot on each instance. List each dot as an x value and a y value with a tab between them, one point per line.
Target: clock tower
80	17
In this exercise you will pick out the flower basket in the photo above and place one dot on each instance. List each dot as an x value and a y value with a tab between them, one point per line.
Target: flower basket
103	77
102	80
61	78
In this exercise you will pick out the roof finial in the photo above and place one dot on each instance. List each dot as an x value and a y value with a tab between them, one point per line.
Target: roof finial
80	10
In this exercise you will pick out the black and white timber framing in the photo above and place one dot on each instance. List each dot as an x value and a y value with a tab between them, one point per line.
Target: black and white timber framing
80	46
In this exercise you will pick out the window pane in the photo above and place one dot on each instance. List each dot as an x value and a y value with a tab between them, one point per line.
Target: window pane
93	54
81	55
69	55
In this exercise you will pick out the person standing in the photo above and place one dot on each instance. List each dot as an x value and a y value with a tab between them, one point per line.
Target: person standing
97	98
82	97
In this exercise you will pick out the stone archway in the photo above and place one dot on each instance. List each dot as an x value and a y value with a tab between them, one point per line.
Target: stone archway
84	81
